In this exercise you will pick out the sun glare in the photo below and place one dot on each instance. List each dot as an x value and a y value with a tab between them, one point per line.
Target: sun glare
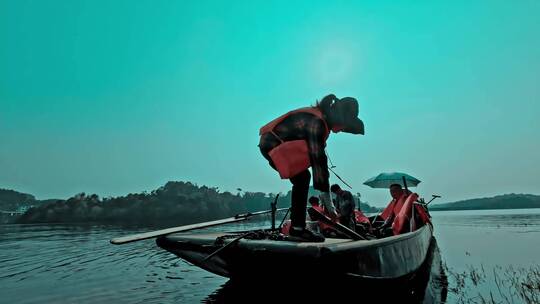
334	64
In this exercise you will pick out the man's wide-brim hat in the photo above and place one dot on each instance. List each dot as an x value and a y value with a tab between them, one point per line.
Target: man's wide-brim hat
347	107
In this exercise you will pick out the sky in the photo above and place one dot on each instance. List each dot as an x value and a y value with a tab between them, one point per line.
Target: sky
117	97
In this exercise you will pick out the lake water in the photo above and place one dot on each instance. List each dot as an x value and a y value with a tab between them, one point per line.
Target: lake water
76	264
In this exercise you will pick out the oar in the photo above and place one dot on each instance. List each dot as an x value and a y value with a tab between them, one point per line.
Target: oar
433	197
339	227
153	234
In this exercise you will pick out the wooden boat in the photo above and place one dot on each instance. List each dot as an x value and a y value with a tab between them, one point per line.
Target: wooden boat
428	285
265	253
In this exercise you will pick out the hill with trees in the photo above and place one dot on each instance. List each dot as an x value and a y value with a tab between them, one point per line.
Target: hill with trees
506	201
12	200
176	203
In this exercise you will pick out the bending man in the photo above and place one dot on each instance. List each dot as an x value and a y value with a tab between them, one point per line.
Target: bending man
296	141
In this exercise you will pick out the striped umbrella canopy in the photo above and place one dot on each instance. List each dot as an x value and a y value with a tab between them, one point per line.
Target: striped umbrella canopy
385	180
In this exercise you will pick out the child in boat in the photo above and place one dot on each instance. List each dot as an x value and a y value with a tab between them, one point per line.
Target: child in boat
325	229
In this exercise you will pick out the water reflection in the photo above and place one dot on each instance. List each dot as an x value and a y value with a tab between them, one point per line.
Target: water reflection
428	285
76	264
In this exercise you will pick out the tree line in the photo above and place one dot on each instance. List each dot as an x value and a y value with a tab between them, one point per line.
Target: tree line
174	203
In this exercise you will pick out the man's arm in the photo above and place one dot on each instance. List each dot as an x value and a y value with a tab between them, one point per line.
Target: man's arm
316	133
319	163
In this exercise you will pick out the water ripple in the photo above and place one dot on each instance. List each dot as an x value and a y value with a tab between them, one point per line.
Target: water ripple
77	264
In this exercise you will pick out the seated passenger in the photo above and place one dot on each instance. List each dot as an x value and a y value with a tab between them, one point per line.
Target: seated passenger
398	198
315	204
325	229
403	213
345	206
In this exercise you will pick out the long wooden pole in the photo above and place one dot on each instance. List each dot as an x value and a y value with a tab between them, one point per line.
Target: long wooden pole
153	234
339	227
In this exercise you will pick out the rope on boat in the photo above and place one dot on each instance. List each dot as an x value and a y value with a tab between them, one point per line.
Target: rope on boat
334	172
252	235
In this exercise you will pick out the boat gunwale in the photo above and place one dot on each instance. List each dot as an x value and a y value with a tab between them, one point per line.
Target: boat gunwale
366	244
337	245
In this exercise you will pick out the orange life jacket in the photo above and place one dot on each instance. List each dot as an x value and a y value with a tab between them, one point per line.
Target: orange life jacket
322	210
360	217
422	214
393	207
286	228
404	220
291	157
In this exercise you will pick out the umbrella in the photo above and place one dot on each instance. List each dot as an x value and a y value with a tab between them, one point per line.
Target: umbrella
385	180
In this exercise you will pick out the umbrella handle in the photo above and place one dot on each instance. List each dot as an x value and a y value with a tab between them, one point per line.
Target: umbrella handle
405	183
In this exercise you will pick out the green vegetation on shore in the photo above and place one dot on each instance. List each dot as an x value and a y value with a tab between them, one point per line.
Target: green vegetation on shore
176	203
13	200
506	201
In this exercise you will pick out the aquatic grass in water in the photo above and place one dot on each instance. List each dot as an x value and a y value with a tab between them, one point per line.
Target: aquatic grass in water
508	284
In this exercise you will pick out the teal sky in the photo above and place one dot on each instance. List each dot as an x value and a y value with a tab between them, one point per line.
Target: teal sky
112	97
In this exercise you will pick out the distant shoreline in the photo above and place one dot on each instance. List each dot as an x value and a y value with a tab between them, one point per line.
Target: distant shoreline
499	202
180	203
174	204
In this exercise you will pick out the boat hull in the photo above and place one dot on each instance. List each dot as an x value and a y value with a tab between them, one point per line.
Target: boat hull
389	258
